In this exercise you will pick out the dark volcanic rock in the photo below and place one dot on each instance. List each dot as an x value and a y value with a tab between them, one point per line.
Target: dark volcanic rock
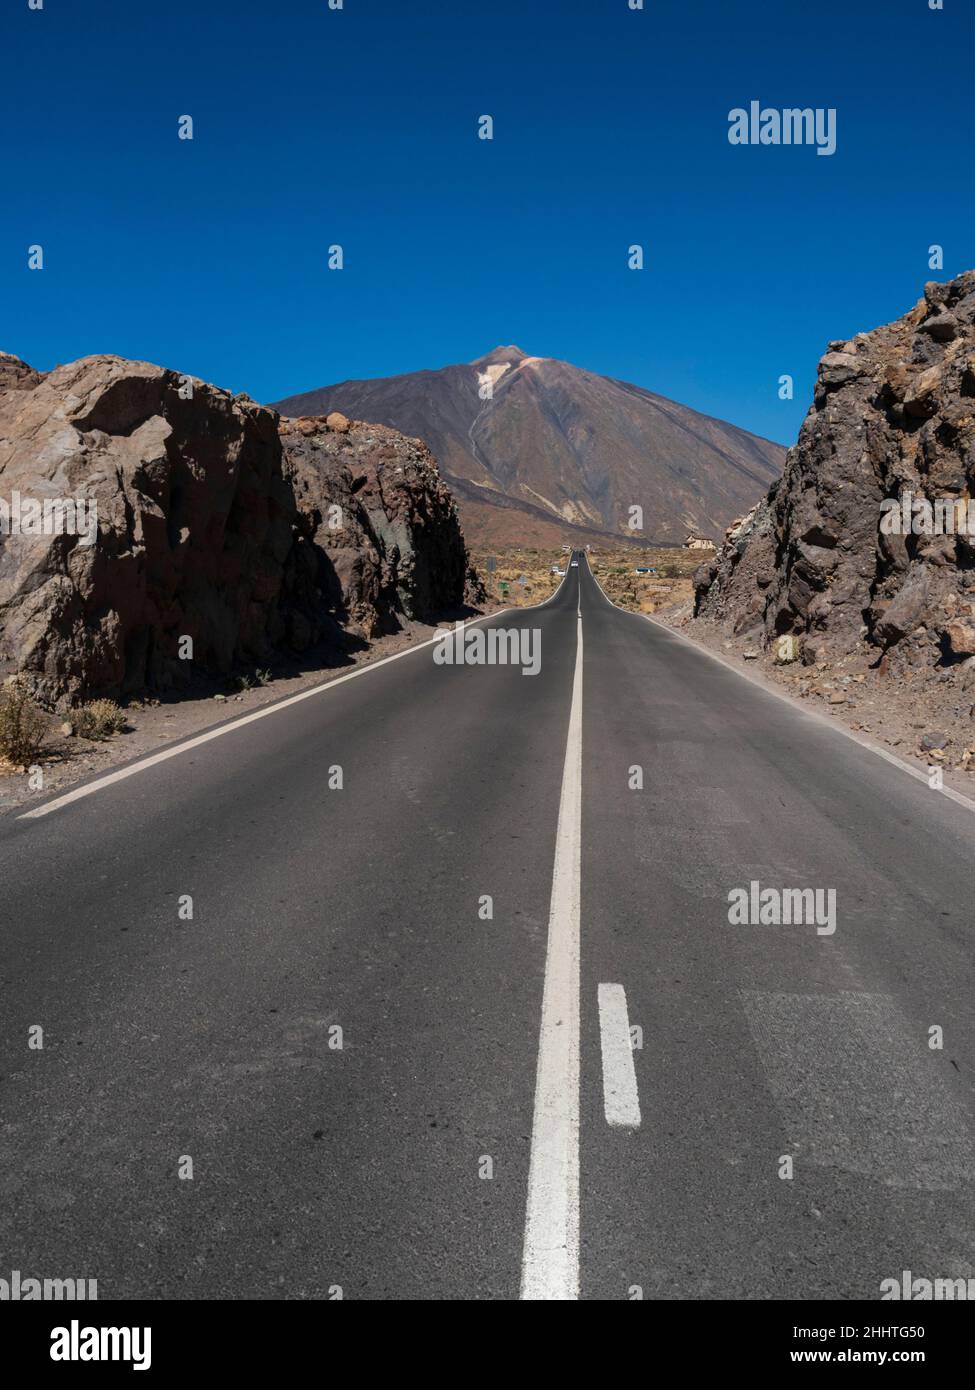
734	581
893	414
382	519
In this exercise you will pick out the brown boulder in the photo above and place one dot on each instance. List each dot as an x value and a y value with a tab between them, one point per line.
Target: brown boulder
201	529
961	637
194	526
921	397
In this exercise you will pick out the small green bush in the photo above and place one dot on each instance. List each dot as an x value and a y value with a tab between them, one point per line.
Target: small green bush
98	719
22	724
249	681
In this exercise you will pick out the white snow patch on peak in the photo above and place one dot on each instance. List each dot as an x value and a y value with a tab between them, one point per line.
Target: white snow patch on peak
494	372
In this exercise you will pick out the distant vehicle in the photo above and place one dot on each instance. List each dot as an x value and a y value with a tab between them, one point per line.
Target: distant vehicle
575	564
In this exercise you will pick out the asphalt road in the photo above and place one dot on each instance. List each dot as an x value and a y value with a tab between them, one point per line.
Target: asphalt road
458	1143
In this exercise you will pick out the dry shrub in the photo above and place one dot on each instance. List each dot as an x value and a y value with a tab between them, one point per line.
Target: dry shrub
22	724
98	719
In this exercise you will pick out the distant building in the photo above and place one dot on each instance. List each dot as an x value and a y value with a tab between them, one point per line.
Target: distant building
698	543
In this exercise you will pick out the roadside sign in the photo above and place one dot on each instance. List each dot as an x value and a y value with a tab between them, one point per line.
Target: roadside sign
504	586
491	564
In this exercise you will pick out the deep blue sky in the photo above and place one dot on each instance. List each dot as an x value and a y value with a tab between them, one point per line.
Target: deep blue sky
359	127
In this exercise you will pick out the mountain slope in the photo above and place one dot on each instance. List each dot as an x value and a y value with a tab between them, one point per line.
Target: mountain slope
557	451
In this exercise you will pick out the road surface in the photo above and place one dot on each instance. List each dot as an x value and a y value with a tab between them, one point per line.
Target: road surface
481	1127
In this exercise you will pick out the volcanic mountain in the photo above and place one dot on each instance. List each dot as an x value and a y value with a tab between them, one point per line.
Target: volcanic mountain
538	451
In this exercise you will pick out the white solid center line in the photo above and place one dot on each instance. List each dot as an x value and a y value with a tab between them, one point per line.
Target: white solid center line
620	1098
550	1262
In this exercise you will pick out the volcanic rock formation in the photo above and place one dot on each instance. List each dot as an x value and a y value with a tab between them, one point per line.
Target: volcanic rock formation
381	520
206	529
892	425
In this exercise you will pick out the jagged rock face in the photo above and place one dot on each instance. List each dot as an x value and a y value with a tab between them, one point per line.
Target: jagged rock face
732	585
203	530
894	413
194	529
381	517
16	375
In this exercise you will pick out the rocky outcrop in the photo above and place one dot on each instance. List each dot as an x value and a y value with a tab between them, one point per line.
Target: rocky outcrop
194	529
210	545
16	375
382	520
732	585
892	422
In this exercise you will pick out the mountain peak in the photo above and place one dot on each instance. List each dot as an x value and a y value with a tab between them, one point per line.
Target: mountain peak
552	446
510	354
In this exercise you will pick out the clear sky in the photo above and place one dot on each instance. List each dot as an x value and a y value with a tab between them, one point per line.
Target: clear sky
359	127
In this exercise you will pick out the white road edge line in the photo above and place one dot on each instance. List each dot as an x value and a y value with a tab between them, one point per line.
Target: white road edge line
122	773
621	1100
91	787
919	776
550	1261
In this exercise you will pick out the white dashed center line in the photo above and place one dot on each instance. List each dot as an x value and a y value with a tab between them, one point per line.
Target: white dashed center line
620	1098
